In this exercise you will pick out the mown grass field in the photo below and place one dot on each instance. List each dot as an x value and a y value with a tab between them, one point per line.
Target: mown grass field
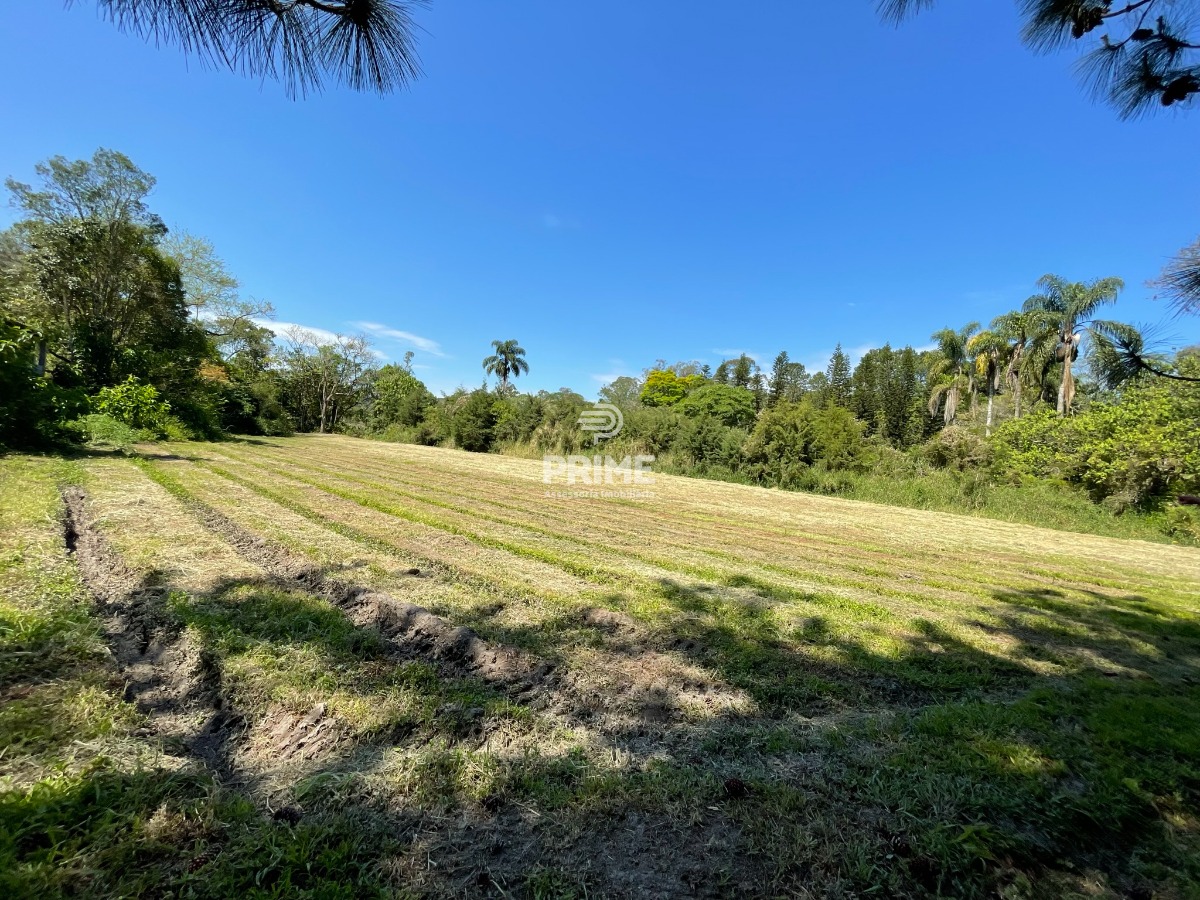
218	679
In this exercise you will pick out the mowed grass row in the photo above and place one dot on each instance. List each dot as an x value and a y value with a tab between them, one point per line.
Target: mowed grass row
908	534
1094	604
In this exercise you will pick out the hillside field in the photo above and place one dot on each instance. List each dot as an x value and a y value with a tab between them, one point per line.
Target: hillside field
328	667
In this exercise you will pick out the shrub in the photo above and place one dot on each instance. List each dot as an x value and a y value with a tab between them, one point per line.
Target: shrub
134	404
1130	453
706	442
32	409
792	435
101	430
958	449
474	421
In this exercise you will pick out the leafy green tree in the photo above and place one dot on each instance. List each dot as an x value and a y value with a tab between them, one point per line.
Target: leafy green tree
322	382
622	392
32	409
85	269
840	377
507	362
953	372
721	376
818	389
729	405
364	44
109	304
885	384
399	398
209	288
1130	450
1145	55
1019	328
743	371
108	188
1067	316
662	387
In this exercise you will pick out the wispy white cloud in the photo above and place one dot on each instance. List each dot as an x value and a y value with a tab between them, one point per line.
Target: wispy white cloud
312	333
617	369
427	345
607	377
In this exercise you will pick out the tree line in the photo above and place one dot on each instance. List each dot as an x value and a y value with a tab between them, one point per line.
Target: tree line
115	329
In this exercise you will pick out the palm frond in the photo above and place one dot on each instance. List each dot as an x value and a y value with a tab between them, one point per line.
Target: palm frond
1180	280
898	10
364	44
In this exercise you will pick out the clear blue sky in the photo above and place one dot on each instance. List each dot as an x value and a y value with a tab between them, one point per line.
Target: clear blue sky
616	183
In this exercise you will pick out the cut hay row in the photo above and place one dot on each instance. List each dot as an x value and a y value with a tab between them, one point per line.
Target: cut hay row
895	623
643	574
927	601
831	524
815	515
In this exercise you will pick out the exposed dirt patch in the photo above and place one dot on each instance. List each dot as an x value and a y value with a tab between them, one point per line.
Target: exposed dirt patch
164	673
630	855
284	735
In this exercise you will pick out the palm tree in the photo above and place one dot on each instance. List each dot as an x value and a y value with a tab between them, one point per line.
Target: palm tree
507	362
1069	308
953	369
1020	328
989	349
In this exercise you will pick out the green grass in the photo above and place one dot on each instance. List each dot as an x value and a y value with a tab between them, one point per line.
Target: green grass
924	713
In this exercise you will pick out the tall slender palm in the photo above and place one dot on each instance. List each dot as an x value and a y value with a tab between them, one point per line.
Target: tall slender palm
952	371
1069	308
507	362
990	349
1019	328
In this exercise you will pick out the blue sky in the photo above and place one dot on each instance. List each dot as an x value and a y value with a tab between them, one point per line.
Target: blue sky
614	184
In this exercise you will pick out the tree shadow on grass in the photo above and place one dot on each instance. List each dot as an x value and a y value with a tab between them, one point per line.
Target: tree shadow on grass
974	769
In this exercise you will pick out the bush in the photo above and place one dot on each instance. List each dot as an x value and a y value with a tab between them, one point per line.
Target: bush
958	449
474	421
706	442
1134	452
134	404
793	435
100	430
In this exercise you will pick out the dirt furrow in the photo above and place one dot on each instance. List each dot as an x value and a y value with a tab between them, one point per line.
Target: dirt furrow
166	674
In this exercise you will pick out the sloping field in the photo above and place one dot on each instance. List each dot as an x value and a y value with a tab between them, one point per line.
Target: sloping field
326	666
